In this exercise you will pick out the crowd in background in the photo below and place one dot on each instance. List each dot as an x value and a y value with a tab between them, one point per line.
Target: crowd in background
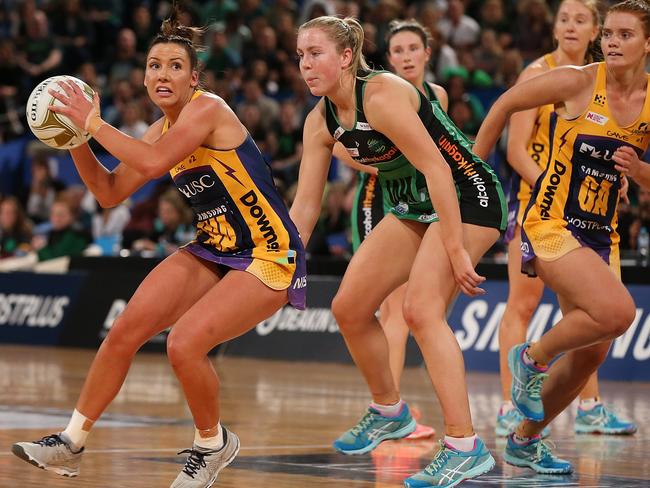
479	48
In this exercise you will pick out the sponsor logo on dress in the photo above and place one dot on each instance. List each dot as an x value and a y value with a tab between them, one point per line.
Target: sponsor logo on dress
596	118
250	199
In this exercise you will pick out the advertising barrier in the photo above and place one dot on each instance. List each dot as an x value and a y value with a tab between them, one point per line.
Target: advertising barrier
78	309
310	335
36	308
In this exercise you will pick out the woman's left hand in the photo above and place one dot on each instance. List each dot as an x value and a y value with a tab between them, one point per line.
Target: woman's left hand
467	278
627	161
75	104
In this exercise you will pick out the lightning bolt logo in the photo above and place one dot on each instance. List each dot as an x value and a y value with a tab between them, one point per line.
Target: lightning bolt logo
538	123
563	137
229	171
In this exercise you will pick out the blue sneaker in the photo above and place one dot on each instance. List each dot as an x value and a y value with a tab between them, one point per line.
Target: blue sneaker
450	467
536	455
601	420
526	391
508	422
374	428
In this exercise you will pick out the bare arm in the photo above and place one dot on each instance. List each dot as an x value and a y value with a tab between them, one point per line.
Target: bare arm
521	129
391	108
316	157
561	85
110	187
342	155
196	121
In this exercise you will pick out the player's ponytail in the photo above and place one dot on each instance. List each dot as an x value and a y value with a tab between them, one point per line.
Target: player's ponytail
171	30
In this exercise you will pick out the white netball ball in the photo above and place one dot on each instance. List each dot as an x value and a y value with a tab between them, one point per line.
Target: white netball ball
54	129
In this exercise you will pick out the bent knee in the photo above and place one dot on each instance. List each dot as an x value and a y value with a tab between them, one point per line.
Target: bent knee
523	308
350	311
179	350
420	313
618	317
123	337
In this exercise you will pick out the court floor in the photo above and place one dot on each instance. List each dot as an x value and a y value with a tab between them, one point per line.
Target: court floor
286	414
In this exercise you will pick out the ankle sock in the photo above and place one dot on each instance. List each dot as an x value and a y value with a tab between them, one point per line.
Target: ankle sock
388	410
464	444
528	361
209	439
77	430
589	403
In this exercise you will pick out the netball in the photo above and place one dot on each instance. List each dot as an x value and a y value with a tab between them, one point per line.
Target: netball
54	129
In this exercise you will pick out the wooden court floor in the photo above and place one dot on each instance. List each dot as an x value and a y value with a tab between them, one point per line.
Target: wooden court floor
287	415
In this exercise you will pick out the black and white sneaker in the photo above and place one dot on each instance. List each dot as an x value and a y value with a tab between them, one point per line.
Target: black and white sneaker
52	453
203	465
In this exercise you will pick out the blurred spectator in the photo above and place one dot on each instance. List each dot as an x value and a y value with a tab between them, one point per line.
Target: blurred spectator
330	234
172	228
315	8
371	49
220	59
457	93
488	55
644	207
43	189
15	229
39	56
493	18
64	239
474	77
143	214
132	119
143	27
87	72
124	57
9	20
123	94
217	11
443	57
285	144
251	117
534	29
10	75
384	12
461	113
107	227
251	9
460	30
280	9
511	65
105	17
73	32
268	107
237	32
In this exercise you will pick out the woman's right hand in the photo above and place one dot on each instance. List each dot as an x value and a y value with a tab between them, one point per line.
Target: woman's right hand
467	278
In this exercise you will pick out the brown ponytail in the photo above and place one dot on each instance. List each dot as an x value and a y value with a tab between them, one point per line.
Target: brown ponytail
172	31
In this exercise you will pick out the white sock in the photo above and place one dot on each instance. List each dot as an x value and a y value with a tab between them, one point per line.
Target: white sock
388	410
506	406
589	403
212	441
78	429
464	444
